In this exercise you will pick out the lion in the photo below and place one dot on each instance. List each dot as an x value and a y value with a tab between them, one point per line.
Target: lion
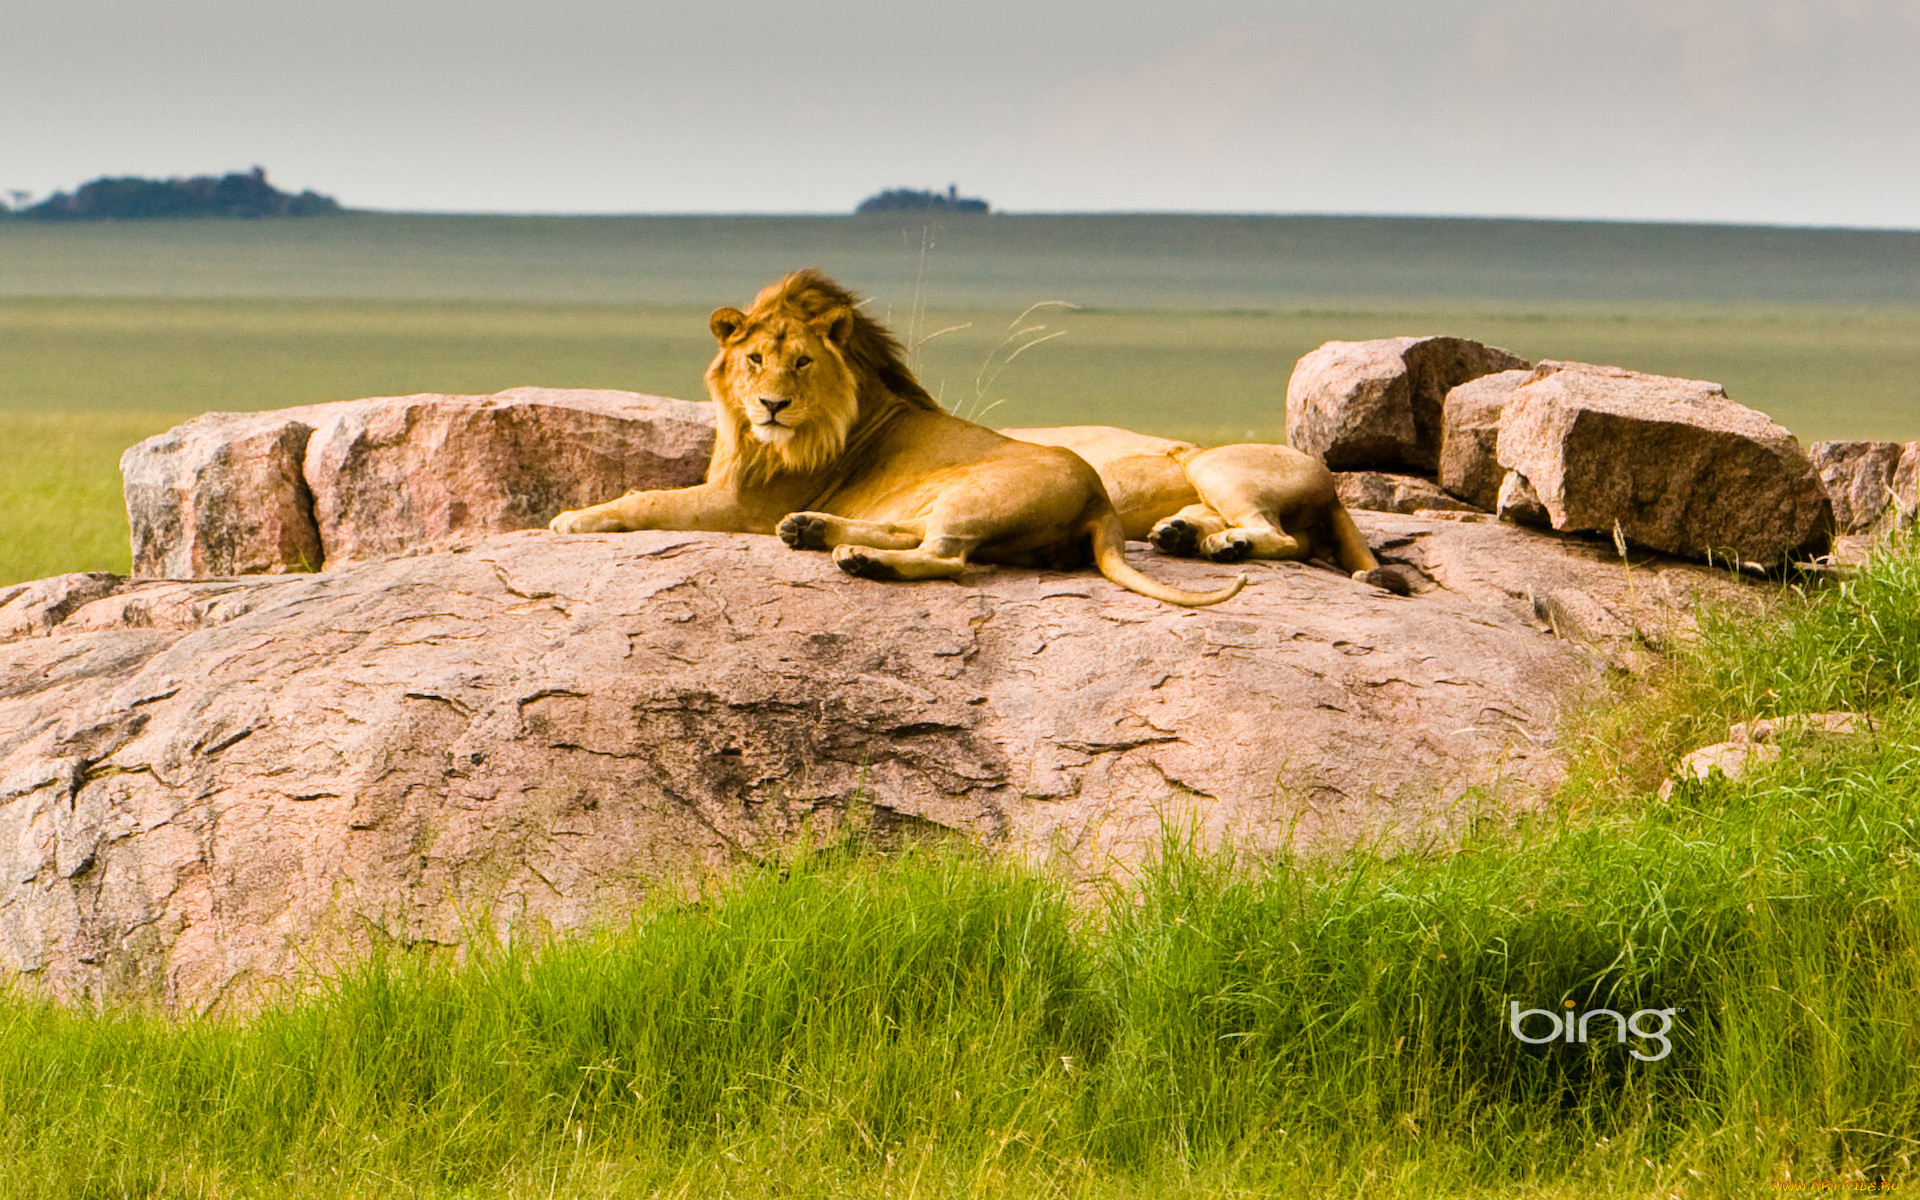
824	438
1226	504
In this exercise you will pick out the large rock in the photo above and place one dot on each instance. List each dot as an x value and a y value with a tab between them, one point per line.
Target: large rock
209	788
1674	463
429	471
1871	484
298	488
1377	403
1470	436
222	494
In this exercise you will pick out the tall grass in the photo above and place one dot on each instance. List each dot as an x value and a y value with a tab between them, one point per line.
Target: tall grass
941	1023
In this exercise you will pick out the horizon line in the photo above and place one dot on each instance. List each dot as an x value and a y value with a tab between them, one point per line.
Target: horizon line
1233	214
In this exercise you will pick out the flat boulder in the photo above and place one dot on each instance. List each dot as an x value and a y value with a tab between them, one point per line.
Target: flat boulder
1674	464
300	488
211	791
1380	491
1378	403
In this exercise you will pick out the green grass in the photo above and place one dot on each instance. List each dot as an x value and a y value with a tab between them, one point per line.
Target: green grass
60	504
938	1023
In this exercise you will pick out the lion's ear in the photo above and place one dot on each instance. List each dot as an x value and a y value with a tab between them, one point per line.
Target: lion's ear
725	322
835	325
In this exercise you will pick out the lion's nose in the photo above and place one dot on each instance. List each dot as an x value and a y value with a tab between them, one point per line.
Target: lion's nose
773	407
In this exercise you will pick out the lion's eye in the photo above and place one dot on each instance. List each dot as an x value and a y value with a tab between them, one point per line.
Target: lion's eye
754	358
802	361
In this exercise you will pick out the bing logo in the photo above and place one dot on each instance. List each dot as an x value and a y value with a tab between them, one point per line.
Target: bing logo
1572	1027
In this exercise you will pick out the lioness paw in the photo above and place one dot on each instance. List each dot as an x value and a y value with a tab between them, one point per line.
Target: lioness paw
564	523
802	531
1231	546
1175	535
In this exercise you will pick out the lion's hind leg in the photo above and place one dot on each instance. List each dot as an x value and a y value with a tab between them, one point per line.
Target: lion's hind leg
876	549
1230	536
896	565
1254	489
1254	537
824	531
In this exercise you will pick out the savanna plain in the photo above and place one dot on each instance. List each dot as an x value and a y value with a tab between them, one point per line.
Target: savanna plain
936	1022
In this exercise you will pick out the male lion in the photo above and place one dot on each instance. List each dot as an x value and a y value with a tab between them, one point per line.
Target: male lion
1226	504
824	437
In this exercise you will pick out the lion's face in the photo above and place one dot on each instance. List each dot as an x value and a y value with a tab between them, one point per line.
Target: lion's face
786	383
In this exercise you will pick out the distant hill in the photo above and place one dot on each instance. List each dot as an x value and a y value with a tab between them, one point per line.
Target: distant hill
909	200
133	199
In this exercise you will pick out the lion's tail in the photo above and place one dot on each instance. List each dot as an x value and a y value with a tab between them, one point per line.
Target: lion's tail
1109	554
1350	545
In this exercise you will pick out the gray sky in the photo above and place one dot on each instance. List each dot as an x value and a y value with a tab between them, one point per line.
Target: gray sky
1777	111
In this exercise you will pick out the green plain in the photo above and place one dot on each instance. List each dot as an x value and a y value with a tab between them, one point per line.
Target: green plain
1185	326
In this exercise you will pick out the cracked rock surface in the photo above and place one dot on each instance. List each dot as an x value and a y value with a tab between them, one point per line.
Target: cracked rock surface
211	789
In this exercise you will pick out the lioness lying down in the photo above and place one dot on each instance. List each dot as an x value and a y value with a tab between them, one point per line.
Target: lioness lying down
1227	504
825	438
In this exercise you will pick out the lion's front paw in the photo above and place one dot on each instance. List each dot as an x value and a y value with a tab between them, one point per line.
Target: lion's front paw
802	531
1175	535
565	522
1232	546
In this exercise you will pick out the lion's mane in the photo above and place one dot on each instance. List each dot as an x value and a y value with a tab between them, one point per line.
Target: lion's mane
869	378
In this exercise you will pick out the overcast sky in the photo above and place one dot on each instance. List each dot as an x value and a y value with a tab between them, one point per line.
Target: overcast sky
1774	111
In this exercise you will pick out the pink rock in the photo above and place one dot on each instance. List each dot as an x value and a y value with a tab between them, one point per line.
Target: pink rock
222	495
1377	491
1871	484
212	789
411	473
1470	436
1517	502
1674	463
1377	403
30	609
1768	729
319	485
1729	760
